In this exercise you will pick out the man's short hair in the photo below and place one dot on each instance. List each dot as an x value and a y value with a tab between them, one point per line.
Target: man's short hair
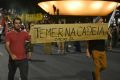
16	18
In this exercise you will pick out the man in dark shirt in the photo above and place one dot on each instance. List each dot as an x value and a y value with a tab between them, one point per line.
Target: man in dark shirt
96	49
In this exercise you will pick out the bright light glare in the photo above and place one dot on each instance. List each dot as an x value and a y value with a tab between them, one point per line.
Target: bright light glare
96	5
77	7
44	6
52	2
119	4
74	5
112	6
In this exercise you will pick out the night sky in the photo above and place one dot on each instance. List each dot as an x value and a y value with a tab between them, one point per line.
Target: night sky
30	5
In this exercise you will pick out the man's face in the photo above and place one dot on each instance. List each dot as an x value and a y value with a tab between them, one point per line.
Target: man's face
17	24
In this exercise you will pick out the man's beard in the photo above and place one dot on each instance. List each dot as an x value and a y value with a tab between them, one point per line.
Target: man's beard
17	29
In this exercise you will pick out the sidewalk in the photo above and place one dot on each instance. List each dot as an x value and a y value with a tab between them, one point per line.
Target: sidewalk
72	66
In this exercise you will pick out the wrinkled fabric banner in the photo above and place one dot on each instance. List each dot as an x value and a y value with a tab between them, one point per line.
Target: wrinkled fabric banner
46	33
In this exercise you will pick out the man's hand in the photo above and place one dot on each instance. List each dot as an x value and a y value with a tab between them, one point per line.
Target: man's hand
88	53
30	55
13	57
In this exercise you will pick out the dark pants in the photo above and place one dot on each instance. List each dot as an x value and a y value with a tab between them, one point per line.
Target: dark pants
23	68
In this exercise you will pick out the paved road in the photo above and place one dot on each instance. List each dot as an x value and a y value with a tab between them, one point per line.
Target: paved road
72	66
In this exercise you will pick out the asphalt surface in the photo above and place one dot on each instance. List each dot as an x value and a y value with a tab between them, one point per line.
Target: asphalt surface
71	66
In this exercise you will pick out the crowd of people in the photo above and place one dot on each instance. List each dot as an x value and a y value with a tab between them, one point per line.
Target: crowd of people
15	34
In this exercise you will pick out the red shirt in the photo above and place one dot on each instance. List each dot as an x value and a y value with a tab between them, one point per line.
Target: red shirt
17	43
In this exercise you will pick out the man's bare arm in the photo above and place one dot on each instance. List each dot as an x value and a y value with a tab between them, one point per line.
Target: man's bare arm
87	50
7	44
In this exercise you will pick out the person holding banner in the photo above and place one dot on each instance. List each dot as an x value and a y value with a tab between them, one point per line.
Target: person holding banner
109	41
96	49
15	46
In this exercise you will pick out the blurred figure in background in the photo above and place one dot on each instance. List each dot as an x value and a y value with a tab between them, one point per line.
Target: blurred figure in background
47	46
109	40
96	49
77	46
114	35
28	45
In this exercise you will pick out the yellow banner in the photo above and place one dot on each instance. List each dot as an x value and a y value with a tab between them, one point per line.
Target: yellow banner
45	33
32	17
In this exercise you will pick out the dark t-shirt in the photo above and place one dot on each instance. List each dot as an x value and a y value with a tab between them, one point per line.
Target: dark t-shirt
96	45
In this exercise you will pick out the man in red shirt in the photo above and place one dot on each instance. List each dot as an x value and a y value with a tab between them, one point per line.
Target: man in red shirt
15	45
